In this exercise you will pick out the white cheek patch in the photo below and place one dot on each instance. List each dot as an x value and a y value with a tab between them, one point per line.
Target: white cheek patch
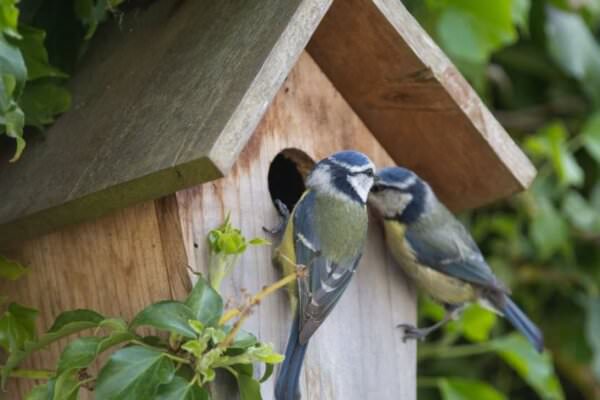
361	184
390	202
320	177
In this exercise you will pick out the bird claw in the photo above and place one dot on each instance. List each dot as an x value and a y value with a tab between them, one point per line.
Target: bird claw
285	215
411	332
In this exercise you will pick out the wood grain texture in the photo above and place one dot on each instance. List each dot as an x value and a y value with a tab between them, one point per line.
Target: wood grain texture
416	103
357	353
166	99
115	265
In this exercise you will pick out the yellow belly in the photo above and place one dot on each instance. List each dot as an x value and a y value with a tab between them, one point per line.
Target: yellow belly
439	286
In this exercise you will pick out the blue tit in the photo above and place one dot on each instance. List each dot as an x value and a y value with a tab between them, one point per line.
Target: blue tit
325	232
438	253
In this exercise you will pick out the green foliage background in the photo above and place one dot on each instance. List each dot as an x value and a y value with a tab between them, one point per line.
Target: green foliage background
537	65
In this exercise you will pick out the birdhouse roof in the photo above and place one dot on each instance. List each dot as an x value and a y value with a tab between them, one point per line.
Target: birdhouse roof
168	97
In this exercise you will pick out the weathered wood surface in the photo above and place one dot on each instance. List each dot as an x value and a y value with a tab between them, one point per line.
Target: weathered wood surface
115	265
416	103
357	353
164	101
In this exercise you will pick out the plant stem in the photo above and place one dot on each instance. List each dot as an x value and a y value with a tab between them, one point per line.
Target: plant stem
31	373
258	297
254	300
437	351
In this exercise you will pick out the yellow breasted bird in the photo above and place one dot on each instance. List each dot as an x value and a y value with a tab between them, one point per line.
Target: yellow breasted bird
438	253
325	232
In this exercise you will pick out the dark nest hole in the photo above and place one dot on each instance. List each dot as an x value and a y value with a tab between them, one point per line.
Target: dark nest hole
286	177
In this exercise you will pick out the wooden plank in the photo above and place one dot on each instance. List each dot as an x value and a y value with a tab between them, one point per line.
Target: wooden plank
115	265
416	103
166	99
344	361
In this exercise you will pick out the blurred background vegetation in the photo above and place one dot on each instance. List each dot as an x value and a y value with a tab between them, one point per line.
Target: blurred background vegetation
537	65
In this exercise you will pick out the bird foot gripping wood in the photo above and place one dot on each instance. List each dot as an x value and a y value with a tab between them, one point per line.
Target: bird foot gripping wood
411	332
285	215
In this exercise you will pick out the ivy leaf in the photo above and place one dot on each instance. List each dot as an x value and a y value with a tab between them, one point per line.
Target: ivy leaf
75	320
205	303
17	326
472	30
65	386
520	13
65	324
535	368
592	327
78	354
11	270
35	54
548	230
180	389
91	13
39	392
169	315
42	100
591	136
133	373
249	387
468	389
582	61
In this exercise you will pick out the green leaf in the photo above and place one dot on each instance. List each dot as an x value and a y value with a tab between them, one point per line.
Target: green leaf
468	389
67	323
581	214
35	54
39	392
268	372
78	354
75	320
520	13
477	323
65	386
249	387
12	63
180	389
92	13
243	339
17	326
133	373
42	100
592	327
258	241
591	136
170	315
548	230
205	303
11	270
13	121
535	368
471	30
9	16
581	61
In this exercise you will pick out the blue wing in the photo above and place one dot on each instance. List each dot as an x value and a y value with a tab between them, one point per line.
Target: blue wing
326	280
450	249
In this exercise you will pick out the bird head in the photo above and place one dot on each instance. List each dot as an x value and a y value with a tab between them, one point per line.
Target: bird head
400	194
347	175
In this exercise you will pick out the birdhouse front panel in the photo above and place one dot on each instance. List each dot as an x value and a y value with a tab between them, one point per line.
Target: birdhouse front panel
358	352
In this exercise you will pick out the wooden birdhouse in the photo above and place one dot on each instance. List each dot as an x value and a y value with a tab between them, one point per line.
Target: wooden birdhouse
189	110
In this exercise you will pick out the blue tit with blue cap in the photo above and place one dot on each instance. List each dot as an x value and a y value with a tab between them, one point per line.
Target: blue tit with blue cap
326	232
439	254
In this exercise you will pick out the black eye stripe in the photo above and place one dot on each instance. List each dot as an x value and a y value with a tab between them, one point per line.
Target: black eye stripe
368	172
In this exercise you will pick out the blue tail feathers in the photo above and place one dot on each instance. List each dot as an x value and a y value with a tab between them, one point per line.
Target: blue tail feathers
523	324
287	385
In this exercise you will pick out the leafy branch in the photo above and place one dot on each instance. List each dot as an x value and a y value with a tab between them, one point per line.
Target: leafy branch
196	337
